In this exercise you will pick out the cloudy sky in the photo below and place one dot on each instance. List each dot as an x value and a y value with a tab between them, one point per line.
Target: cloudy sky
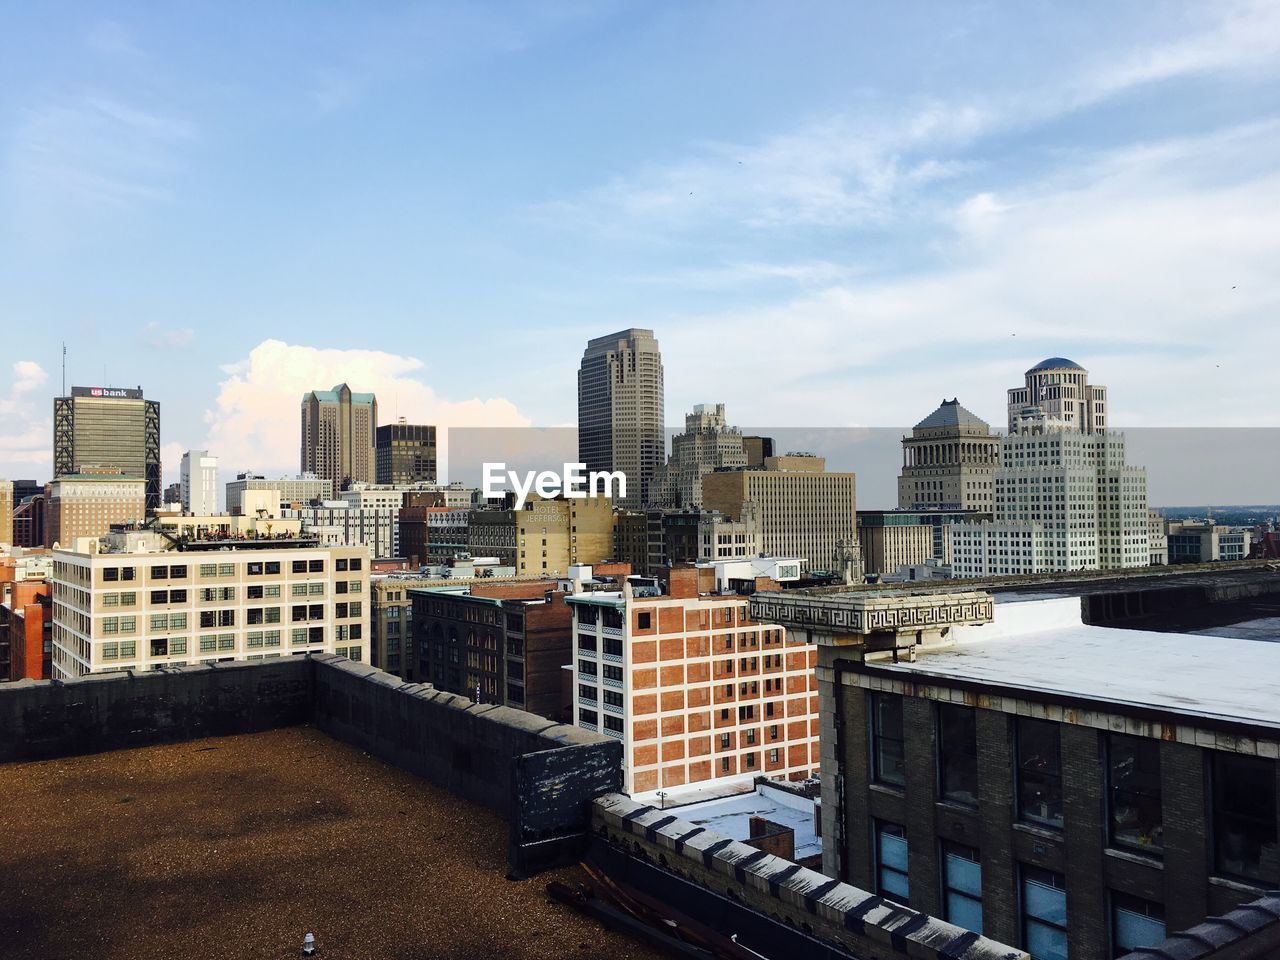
832	214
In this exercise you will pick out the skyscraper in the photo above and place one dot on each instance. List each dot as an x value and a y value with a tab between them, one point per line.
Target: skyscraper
100	429
948	462
6	512
1060	389
621	410
199	483
338	429
707	444
406	453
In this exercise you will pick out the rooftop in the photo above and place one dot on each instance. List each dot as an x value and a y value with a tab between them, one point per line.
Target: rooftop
238	846
951	414
1056	363
1041	645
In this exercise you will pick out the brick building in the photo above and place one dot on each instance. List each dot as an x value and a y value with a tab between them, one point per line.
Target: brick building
694	688
1071	789
501	643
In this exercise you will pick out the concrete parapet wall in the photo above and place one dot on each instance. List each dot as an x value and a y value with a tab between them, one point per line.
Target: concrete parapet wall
40	719
850	920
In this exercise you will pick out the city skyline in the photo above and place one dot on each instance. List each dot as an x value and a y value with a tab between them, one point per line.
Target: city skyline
916	231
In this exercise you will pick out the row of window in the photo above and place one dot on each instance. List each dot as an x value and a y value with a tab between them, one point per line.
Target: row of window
255	568
1042	897
1242	794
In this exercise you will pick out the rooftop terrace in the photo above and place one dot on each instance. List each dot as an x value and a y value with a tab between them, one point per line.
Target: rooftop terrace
238	846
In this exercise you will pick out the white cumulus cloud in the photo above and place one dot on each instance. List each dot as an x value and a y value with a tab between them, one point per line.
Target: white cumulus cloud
254	423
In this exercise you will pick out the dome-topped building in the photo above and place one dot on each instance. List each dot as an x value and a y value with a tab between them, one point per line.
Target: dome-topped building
948	460
1059	388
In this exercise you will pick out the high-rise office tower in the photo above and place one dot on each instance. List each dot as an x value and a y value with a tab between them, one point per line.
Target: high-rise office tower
99	429
6	512
1060	389
707	444
338	429
948	462
199	483
620	410
405	453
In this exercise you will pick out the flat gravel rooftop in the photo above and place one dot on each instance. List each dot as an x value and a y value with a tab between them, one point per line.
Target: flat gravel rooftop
236	847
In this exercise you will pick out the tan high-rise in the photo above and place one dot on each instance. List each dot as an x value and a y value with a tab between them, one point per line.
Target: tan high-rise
86	505
338	429
803	511
621	410
6	512
948	462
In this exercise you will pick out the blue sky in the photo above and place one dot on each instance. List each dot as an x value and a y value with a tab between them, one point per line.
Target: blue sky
832	214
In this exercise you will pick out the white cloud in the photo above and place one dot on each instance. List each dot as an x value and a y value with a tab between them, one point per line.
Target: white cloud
26	430
255	421
158	336
1158	278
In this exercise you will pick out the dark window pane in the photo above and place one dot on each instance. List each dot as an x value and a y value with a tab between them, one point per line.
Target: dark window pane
1133	772
1039	772
887	764
1244	817
958	754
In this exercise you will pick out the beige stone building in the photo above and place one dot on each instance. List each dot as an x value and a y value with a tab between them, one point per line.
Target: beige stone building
6	513
707	444
887	547
129	601
1059	388
948	462
86	505
621	410
338	432
802	510
545	537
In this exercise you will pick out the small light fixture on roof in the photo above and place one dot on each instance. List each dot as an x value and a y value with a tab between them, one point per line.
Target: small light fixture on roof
309	945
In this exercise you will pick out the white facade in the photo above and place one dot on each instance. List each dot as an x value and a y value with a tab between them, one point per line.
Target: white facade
1065	500
1059	388
304	488
199	483
144	607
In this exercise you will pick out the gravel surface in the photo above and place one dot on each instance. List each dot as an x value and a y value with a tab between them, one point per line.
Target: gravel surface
237	846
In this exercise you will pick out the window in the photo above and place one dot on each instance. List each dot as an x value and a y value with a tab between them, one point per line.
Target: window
253	569
110	574
299	612
110	651
159	647
273	566
160	573
962	886
299	566
340	564
226	641
316	635
316	588
298	590
178	645
271	590
891	861
644	620
773	755
958	754
177	596
178	572
1133	793
886	739
159	621
110	624
1134	923
356	563
177	621
1244	817
316	566
126	573
127	647
254	592
208	569
298	635
1044	914
226	569
1039	772
159	596
208	643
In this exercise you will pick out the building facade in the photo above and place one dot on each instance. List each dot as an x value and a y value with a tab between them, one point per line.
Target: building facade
949	462
128	602
1065	500
1074	805
199	483
546	537
1203	541
28	521
802	510
621	410
297	491
86	505
707	444
1157	539
694	688
338	428
504	643
1059	388
7	507
107	429
405	453
391	644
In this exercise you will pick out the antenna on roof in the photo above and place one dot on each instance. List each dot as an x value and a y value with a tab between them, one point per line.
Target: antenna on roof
64	368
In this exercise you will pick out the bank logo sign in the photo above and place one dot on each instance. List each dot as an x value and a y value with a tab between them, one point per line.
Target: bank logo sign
114	393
